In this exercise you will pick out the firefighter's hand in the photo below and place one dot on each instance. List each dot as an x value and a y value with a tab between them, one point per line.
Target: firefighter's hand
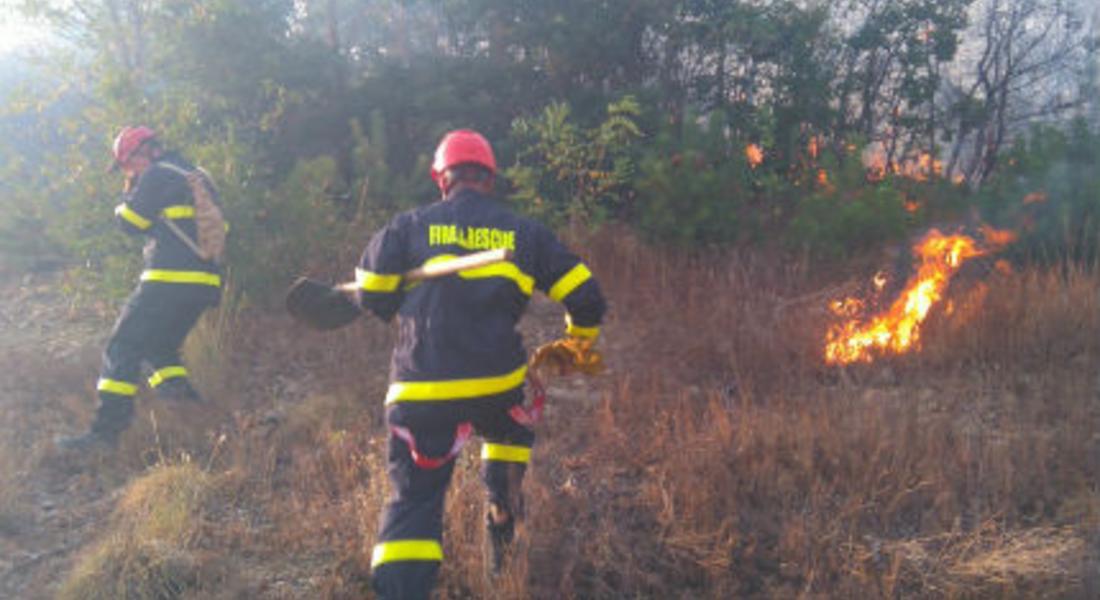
128	184
569	355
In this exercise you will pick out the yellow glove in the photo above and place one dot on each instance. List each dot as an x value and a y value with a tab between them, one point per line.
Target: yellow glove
569	355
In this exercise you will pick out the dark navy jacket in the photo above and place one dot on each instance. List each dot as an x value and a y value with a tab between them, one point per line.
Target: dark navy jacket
163	193
457	334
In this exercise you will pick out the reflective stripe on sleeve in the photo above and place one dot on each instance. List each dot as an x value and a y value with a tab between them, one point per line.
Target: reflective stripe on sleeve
132	217
114	386
167	276
406	550
376	282
180	211
505	453
455	389
162	375
569	282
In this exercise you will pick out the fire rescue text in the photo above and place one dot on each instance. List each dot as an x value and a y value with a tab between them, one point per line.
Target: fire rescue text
471	238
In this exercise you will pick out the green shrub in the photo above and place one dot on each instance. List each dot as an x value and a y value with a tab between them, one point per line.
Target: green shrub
1048	189
694	185
565	173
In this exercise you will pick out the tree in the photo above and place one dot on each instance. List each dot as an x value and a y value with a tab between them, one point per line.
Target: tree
1024	63
891	70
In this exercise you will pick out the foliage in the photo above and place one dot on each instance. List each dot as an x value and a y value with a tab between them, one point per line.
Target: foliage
694	185
297	225
318	118
835	224
565	173
1048	189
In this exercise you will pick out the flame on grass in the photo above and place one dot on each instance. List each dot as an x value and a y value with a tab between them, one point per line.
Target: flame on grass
859	338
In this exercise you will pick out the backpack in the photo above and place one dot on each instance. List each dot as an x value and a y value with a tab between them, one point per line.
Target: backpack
209	223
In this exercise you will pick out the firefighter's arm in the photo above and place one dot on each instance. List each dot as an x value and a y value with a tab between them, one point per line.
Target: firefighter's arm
137	213
378	276
566	279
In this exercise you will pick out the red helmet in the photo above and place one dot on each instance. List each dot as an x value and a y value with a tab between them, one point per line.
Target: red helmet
462	147
128	141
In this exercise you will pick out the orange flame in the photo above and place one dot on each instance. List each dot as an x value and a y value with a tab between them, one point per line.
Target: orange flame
1035	198
997	238
922	167
897	330
754	154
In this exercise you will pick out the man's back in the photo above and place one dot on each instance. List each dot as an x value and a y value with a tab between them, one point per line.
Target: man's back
463	327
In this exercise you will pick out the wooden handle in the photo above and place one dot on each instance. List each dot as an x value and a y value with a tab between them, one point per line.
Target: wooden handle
449	267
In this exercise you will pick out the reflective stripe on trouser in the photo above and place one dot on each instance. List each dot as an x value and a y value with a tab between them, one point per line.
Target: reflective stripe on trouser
151	328
166	374
116	405
404	561
406	558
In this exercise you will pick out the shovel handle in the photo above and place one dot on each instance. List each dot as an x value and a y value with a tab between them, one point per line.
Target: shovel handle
449	267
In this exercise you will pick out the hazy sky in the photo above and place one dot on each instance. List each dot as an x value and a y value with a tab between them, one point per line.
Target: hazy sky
15	31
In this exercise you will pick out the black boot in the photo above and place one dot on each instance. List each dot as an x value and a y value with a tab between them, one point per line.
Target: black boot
111	419
95	440
179	390
498	540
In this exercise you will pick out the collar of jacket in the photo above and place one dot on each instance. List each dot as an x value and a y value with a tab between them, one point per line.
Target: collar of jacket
465	194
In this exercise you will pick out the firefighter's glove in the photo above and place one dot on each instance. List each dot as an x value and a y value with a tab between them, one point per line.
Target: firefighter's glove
569	355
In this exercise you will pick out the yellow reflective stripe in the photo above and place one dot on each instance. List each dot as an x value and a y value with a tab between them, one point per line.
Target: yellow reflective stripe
578	331
504	453
167	276
507	270
569	282
180	211
375	282
455	389
132	217
165	374
404	550
114	386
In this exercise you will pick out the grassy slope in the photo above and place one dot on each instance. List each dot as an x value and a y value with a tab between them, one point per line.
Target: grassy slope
718	458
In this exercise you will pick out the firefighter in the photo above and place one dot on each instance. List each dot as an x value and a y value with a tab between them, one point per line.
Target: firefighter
459	366
175	287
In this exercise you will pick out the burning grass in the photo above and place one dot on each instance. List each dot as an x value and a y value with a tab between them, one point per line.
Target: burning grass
861	337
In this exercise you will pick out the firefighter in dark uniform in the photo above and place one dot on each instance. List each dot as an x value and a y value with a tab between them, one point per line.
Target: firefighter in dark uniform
176	286
459	365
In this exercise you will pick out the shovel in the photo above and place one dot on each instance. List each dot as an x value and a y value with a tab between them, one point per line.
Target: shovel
323	307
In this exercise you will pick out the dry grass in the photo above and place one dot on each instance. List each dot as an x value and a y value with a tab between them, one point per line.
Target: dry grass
718	458
149	549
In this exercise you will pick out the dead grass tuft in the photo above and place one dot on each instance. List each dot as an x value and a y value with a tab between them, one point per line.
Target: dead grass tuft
149	548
